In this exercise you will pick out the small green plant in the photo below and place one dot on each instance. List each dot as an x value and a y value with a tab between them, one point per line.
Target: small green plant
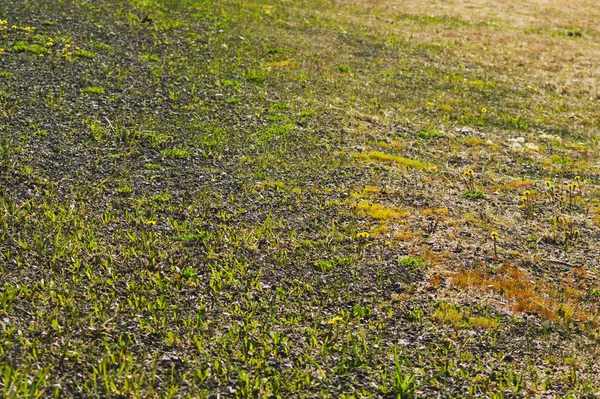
189	273
83	53
255	77
162	197
323	265
175	153
343	68
21	47
468	178
475	194
124	191
430	133
152	166
412	262
198	237
94	90
403	382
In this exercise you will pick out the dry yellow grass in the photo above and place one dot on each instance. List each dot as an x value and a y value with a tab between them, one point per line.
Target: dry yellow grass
380	211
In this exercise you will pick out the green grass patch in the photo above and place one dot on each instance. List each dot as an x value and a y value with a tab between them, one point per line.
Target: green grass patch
94	90
21	47
175	153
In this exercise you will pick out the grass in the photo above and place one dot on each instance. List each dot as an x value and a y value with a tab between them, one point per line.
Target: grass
94	90
379	211
395	159
267	199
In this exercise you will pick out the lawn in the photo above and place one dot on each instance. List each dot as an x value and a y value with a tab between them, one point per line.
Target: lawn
338	199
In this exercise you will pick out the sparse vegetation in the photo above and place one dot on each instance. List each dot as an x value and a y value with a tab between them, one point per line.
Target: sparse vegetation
299	199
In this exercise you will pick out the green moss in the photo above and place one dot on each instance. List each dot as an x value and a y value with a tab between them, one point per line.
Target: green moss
395	159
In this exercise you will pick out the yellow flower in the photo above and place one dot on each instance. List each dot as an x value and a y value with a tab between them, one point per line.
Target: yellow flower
363	235
483	110
335	320
494	235
41	54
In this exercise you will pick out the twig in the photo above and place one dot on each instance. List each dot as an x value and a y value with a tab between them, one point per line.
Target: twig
560	262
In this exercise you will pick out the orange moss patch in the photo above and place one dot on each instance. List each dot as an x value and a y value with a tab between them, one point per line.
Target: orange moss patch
528	296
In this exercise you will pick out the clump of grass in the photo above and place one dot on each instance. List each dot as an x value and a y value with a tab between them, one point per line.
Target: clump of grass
94	89
379	211
175	153
324	265
412	262
21	47
198	237
161	198
395	159
84	54
124	191
475	194
430	134
255	77
449	314
152	166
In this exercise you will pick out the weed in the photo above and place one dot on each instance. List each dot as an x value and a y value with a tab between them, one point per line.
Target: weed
175	153
152	166
94	90
83	53
412	262
162	197
124	191
474	194
30	47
